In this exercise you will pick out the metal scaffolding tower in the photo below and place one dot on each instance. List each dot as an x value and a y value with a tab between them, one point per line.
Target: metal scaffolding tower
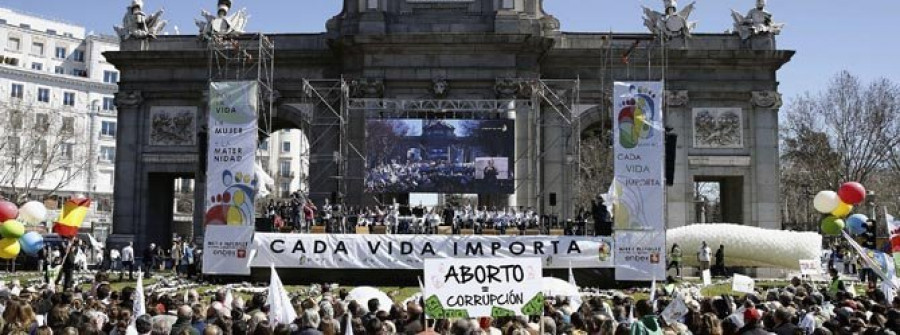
246	58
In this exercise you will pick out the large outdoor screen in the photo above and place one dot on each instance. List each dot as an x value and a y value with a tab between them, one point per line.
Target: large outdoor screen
440	156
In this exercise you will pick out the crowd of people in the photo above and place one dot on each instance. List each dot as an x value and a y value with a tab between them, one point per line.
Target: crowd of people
401	219
800	308
419	176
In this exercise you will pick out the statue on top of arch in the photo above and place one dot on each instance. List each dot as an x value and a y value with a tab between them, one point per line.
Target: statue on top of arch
672	23
222	24
137	25
758	21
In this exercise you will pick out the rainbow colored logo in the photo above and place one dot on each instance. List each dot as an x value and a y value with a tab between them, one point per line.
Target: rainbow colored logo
234	207
636	116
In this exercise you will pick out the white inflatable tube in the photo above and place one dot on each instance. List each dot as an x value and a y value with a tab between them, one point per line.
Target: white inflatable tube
746	246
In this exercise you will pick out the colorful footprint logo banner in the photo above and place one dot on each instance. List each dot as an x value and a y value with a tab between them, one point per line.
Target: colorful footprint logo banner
639	156
231	184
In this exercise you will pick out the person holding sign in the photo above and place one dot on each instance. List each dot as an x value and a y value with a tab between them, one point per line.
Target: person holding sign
646	323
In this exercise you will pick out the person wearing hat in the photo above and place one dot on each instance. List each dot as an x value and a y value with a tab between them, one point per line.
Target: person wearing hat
752	323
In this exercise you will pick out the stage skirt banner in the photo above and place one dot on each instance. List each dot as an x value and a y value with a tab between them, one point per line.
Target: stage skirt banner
640	255
409	252
231	183
482	287
227	250
639	153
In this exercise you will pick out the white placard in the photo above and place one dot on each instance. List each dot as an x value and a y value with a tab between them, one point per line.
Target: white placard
810	267
495	287
226	250
408	252
743	284
675	311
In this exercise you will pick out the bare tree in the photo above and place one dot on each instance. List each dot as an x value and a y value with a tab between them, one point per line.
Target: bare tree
42	151
596	166
848	132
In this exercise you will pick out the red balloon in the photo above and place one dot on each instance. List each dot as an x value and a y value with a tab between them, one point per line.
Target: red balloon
852	193
8	211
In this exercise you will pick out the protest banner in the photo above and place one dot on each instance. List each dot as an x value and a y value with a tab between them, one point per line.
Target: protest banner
226	250
407	252
494	287
743	284
810	267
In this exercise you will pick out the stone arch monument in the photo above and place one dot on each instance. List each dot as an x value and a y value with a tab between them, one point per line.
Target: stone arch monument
448	52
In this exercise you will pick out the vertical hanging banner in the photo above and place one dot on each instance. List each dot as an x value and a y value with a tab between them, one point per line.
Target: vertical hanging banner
231	183
639	187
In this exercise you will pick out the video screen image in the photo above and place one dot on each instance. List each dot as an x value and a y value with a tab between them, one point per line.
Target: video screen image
440	156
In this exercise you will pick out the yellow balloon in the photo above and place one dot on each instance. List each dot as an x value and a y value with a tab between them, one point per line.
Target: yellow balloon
234	217
239	197
842	210
9	248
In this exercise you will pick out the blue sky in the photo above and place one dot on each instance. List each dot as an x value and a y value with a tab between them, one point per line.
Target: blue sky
828	35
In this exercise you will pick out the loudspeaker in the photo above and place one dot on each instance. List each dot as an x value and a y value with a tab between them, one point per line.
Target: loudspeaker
552	199
671	142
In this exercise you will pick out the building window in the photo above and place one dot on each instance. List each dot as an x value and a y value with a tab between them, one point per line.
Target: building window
284	168
109	104
51	31
79	73
285	189
59	70
111	77
37	66
67	150
78	55
69	98
286	146
107	154
41	122
108	128
507	4
15	120
372	4
43	95
68	124
37	49
264	146
14	44
61	52
42	149
25	25
12	142
18	90
104	205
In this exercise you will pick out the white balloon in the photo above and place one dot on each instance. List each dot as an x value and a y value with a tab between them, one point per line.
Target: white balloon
33	212
826	202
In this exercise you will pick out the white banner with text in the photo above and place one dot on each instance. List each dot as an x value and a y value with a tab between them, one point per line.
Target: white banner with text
226	250
336	251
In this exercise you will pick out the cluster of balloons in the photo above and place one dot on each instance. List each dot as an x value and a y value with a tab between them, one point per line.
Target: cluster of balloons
14	238
838	206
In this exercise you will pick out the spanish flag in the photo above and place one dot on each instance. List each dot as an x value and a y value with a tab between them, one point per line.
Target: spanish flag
71	217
